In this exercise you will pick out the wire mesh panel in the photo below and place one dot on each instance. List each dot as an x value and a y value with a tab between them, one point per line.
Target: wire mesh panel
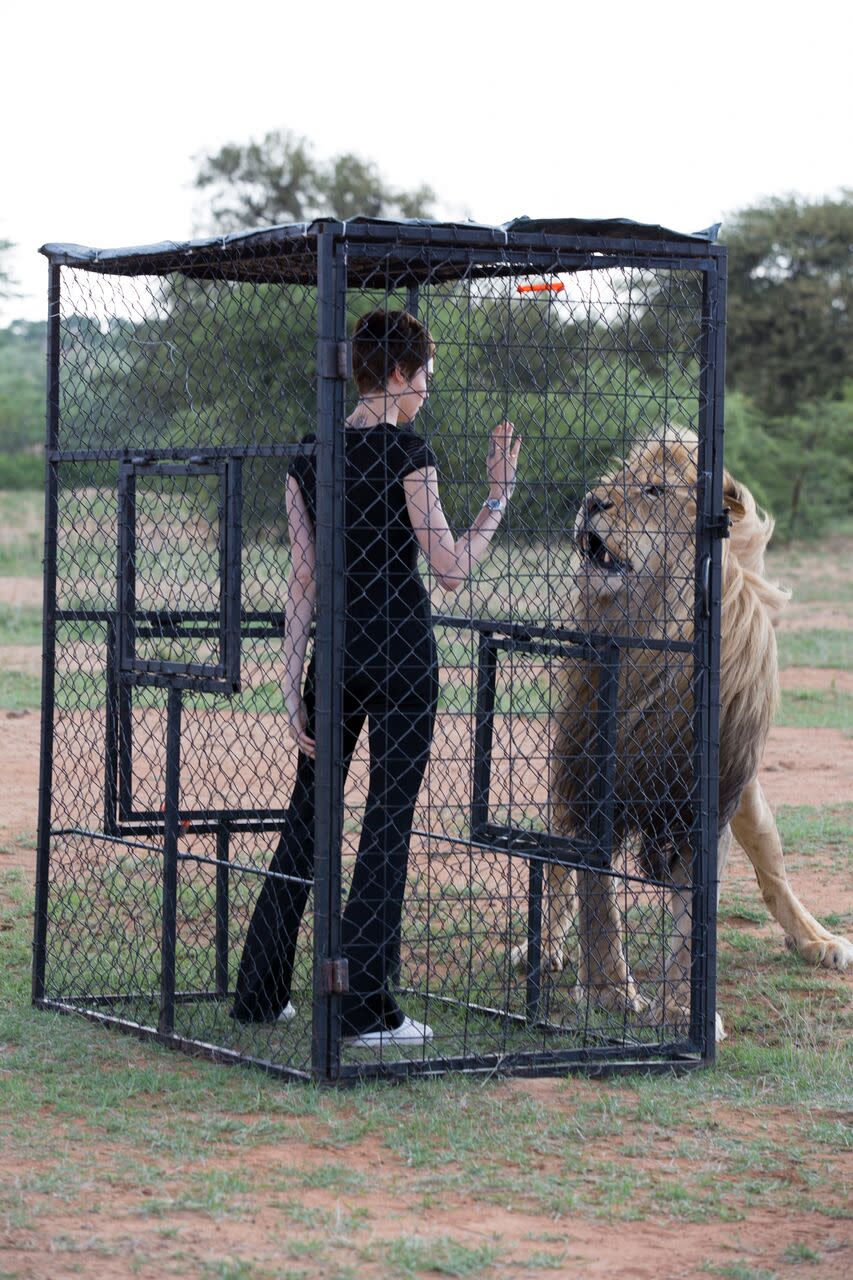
172	581
347	771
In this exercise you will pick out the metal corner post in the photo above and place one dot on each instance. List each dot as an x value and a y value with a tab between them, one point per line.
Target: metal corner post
707	659
169	917
48	667
329	645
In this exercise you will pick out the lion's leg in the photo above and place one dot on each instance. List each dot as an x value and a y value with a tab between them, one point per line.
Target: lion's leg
603	971
557	916
557	919
724	848
675	997
755	829
674	1005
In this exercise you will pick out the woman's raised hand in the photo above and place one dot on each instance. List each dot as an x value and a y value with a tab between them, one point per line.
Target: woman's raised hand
502	461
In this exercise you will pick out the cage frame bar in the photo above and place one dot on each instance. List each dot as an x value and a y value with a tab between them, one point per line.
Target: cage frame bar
48	666
335	241
329	647
223	675
169	917
711	528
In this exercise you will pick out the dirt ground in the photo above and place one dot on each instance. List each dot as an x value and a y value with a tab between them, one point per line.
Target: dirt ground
812	767
801	767
588	1247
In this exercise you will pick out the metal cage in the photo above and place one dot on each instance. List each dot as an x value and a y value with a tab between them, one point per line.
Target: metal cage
181	380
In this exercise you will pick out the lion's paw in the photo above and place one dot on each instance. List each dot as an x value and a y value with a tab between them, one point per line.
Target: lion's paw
829	952
838	953
552	961
675	1016
672	1014
616	997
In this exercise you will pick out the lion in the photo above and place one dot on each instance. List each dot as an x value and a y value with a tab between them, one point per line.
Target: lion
635	533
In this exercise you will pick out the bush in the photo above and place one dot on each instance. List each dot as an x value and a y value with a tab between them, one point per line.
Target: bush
799	468
21	471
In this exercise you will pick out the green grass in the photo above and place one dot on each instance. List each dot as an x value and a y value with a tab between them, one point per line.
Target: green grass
81	690
19	691
825	709
20	624
807	830
438	1130
411	1256
739	1271
734	905
85	1112
87	1115
800	1252
816	588
816	709
21	533
825	648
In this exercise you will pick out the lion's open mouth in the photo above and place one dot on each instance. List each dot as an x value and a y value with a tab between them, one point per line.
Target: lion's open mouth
597	550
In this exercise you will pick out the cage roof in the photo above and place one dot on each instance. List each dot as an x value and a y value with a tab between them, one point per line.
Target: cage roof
414	248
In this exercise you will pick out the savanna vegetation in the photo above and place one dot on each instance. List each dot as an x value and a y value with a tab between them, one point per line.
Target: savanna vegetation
789	416
122	1159
125	1160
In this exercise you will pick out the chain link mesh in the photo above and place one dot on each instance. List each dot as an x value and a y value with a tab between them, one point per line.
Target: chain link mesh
526	799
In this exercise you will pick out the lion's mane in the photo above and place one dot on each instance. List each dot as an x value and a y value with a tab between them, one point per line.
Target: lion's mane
653	809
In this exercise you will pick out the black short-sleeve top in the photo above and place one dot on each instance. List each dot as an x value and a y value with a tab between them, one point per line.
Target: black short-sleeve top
387	606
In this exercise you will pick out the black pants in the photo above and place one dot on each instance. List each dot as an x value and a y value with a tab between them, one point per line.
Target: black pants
400	738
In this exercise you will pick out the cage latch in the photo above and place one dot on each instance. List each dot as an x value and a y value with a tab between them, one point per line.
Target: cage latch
334	359
718	526
336	976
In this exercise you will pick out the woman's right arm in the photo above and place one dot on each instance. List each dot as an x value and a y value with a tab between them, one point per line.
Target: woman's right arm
452	559
298	612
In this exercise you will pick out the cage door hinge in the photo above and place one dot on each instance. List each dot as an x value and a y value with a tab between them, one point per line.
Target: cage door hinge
334	359
718	526
336	977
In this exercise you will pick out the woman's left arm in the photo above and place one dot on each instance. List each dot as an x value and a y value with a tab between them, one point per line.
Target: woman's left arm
298	612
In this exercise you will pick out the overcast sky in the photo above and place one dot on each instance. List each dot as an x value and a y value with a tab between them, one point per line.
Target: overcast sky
654	111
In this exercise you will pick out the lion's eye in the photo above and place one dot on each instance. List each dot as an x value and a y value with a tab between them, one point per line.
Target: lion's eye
652	490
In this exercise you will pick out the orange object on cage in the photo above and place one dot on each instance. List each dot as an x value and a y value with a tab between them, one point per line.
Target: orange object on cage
548	286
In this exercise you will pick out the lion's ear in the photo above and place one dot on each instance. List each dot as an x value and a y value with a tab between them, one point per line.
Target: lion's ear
732	497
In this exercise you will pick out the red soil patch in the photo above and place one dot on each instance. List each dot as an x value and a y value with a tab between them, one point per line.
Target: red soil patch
801	766
120	1239
821	678
124	1238
807	766
21	591
19	751
808	617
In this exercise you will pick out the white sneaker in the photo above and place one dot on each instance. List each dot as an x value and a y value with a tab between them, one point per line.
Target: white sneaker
287	1014
409	1032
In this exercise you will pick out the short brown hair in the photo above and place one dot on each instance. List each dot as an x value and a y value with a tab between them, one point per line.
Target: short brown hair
387	340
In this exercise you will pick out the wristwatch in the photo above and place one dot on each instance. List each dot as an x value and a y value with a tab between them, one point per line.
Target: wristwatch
495	504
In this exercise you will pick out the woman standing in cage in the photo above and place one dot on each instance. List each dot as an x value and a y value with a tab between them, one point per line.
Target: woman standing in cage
390	674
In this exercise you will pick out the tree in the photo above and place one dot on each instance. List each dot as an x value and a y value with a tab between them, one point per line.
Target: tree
7	281
22	350
799	468
790	301
279	180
